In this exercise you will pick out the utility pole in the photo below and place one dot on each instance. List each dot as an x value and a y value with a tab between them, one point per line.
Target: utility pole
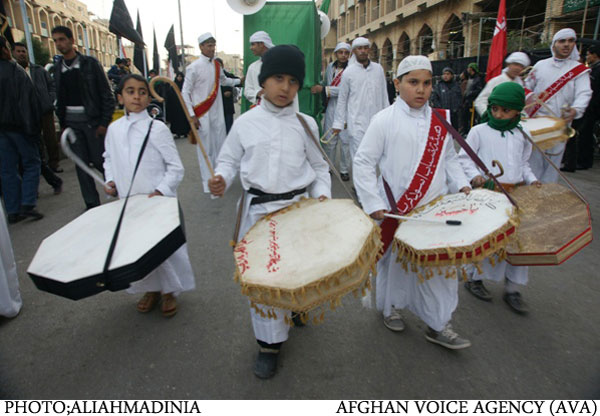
181	33
27	31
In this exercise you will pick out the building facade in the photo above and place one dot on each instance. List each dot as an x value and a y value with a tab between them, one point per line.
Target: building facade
446	29
90	32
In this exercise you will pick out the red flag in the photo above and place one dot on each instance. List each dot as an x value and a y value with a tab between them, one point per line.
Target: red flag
498	49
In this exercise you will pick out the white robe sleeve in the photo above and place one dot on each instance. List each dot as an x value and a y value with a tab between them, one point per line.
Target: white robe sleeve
385	100
481	102
228	162
187	89
251	86
456	177
341	110
107	164
583	93
322	183
469	167
364	167
226	81
528	175
162	140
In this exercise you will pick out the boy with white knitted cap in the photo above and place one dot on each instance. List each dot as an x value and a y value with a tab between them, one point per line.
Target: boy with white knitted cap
418	163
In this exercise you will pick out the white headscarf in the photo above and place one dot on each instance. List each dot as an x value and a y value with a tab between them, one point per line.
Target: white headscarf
518	58
412	63
342	45
262	36
360	42
204	37
567	33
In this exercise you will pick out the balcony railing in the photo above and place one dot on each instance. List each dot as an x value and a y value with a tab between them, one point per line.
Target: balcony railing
375	13
362	20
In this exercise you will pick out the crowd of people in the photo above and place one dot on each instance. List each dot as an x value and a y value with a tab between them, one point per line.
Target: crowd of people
382	145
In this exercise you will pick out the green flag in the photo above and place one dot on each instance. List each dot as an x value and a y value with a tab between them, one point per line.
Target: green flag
325	6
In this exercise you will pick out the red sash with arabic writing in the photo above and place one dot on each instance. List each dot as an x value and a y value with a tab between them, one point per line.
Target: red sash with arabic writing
549	92
337	79
420	183
204	106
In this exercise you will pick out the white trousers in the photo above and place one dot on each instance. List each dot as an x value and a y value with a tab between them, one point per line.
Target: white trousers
542	170
331	150
433	300
514	274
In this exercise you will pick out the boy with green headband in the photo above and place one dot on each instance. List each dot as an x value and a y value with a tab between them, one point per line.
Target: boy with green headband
499	138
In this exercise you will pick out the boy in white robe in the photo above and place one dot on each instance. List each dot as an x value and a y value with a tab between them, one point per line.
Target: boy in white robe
498	138
278	164
397	142
159	173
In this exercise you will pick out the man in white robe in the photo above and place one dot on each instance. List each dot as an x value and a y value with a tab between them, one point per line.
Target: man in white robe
10	297
362	94
515	64
200	90
160	170
395	144
260	43
330	91
569	102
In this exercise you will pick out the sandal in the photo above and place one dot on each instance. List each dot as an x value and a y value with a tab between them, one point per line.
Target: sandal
148	302
168	305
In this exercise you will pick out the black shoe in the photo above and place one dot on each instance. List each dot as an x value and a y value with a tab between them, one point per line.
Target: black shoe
31	212
91	206
516	303
266	363
58	188
478	290
567	169
14	218
297	320
345	177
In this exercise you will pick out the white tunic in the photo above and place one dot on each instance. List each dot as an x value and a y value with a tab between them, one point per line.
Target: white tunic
481	102
513	152
576	94
252	86
395	142
160	169
362	94
10	297
197	86
268	146
332	93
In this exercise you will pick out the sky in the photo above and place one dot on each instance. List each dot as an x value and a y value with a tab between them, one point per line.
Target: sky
198	16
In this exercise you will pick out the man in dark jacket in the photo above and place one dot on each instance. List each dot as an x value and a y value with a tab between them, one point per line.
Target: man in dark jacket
586	143
475	83
229	97
44	86
85	103
446	94
19	132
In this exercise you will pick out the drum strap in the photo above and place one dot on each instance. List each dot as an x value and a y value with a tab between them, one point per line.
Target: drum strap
263	197
463	143
331	166
103	277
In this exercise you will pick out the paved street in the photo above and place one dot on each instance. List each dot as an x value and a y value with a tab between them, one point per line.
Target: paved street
101	347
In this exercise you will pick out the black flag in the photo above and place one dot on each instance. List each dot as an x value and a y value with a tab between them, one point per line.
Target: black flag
139	50
121	25
4	26
155	56
172	48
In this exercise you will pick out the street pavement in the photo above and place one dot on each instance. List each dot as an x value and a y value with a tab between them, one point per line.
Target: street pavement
101	347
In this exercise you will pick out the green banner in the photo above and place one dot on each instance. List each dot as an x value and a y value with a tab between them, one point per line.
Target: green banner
290	22
572	5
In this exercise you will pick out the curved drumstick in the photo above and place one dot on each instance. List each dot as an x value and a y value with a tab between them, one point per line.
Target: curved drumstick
69	136
496	163
185	111
322	139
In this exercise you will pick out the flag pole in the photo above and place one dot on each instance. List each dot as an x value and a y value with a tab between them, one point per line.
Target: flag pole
182	44
145	64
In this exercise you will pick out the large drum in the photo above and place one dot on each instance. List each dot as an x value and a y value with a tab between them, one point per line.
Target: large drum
307	254
546	132
555	225
70	262
487	219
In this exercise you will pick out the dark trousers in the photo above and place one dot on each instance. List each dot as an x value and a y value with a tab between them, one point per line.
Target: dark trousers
19	191
89	148
228	122
50	140
569	160
586	145
51	178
